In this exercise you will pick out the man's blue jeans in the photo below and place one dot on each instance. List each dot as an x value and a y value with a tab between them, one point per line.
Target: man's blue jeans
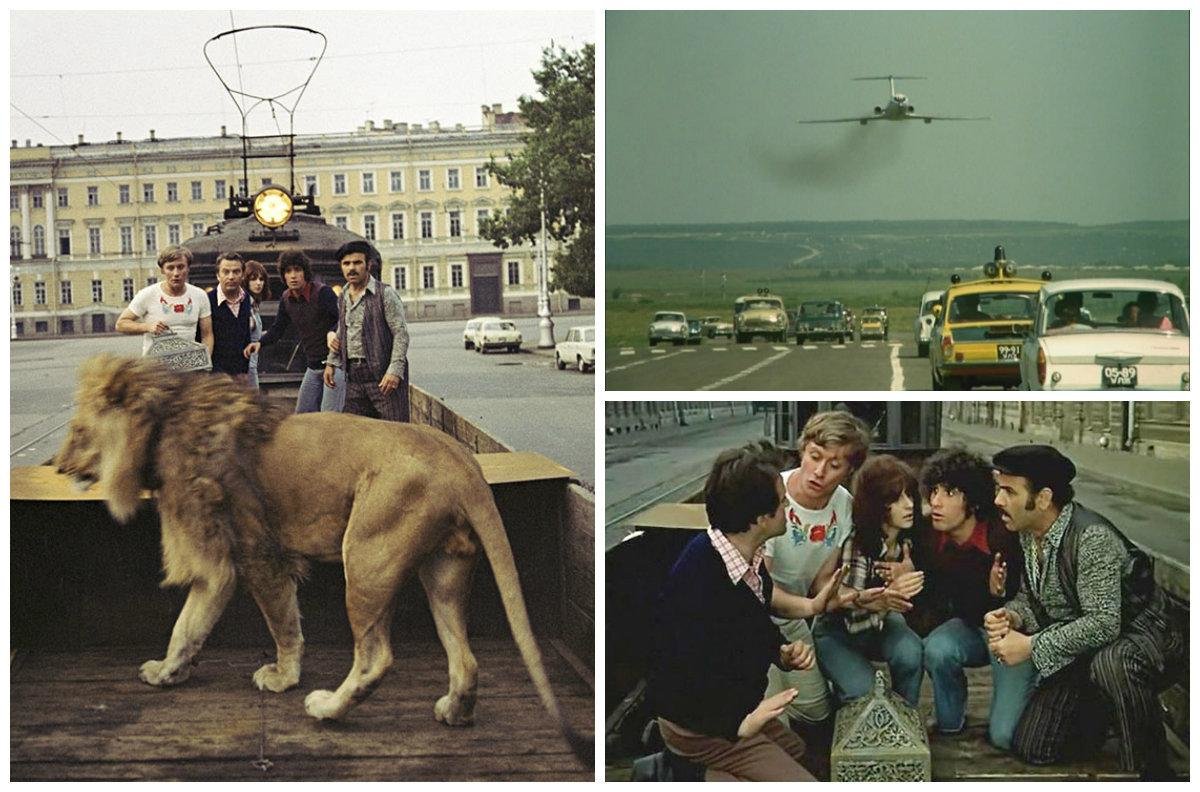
845	659
956	645
315	396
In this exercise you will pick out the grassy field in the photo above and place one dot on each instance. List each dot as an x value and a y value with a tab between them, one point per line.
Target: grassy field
634	294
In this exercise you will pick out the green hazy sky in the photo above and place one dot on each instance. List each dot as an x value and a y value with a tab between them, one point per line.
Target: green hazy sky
1089	116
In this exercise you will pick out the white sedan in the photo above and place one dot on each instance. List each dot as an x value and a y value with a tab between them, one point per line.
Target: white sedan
1107	333
923	325
472	327
579	349
497	334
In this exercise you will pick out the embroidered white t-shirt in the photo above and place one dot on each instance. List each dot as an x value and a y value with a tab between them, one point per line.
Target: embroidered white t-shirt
182	314
810	538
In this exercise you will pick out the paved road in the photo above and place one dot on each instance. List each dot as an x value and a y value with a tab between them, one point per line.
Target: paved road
520	399
719	364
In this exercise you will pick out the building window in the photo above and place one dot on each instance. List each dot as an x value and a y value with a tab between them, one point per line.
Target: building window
127	289
64	292
93	196
480	216
66	326
400	278
197	191
398	225
20	328
426	225
310	185
219	189
339	184
127	239
17	293
147	193
37	199
266	182
514	273
14	200
94	241
64	241
172	192
172	233
39	293
427	277
342	222
242	188
14	242
97	291
397	181
197	229
369	226
452	180
424	181
456	275
481	177
368	182
62	198
151	280
123	193
151	239
41	327
39	241
456	224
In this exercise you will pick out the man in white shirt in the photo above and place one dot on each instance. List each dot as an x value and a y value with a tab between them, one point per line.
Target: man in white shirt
172	304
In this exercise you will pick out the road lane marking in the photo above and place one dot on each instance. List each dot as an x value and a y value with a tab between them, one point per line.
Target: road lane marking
640	362
628	352
897	372
781	349
689	350
868	344
658	351
744	373
809	346
720	349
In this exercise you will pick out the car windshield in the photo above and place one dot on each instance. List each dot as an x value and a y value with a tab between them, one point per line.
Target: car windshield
927	306
990	306
668	317
589	335
752	304
694	324
873	312
1113	310
471	325
818	308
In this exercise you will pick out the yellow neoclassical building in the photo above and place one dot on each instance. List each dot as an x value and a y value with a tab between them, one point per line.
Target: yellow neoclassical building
86	221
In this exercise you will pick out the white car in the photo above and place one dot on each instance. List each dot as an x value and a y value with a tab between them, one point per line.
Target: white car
579	349
473	326
668	326
497	334
923	325
1107	333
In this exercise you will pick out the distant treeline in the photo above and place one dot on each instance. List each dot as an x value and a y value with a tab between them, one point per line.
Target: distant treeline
895	249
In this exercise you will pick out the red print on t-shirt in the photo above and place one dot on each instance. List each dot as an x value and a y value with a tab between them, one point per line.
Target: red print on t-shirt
816	533
178	307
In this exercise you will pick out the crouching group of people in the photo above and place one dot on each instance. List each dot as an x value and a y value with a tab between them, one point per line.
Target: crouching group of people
771	619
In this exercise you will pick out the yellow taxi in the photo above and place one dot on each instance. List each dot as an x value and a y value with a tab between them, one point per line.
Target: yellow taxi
979	327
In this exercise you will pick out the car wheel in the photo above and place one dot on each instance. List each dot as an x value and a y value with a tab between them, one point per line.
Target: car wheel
799	340
741	339
514	349
468	345
583	367
558	363
954	383
922	349
653	341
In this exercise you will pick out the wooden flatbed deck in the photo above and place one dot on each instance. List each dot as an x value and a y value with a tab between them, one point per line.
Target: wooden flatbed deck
85	715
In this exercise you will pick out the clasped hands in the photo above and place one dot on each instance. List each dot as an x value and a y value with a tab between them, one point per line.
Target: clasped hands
1004	641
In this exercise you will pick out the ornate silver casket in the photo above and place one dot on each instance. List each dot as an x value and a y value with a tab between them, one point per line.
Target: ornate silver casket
180	354
879	738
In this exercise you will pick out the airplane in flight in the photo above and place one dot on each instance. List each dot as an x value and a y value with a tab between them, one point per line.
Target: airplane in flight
898	108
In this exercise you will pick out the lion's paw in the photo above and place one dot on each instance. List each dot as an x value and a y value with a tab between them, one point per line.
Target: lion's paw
154	672
271	678
445	712
322	705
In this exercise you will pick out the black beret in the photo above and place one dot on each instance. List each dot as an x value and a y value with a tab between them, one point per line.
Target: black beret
1042	464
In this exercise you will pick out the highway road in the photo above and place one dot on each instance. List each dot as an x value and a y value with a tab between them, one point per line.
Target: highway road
520	399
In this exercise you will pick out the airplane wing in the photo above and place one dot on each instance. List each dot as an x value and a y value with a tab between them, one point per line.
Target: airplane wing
859	120
928	118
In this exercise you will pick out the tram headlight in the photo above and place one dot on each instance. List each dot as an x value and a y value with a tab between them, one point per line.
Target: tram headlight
273	207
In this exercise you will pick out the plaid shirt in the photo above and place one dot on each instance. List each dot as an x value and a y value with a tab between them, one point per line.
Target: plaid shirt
861	577
736	565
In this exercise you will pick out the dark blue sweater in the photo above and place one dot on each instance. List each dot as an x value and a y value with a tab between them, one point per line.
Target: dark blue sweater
713	644
231	334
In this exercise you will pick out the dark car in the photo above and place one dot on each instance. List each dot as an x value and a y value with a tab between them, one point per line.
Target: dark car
822	319
695	331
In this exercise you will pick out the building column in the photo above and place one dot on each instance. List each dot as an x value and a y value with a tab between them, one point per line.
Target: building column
26	225
51	202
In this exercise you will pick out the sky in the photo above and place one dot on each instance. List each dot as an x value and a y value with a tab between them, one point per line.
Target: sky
1088	116
94	73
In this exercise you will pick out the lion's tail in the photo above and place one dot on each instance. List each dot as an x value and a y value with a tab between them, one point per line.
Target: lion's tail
490	529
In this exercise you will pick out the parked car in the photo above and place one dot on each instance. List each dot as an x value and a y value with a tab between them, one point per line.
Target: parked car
713	326
695	331
668	326
1105	333
497	334
923	324
472	327
578	349
873	322
981	325
822	319
759	314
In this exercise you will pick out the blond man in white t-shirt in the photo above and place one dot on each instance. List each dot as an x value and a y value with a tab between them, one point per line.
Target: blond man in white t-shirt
172	304
801	561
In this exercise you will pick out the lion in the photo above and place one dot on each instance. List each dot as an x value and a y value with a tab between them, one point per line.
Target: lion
385	499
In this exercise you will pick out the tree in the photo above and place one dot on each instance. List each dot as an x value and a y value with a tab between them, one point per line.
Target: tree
559	156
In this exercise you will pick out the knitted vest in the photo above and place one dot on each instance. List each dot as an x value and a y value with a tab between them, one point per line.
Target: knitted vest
231	334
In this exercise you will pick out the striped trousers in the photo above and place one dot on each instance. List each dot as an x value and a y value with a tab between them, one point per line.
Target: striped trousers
363	396
1065	718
